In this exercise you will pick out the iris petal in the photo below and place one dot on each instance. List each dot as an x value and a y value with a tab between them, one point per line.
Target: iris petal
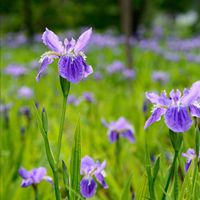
88	187
178	119
128	135
113	136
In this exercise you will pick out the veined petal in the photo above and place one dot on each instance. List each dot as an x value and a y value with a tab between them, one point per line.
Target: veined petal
83	41
156	115
87	165
72	70
128	135
158	100
46	60
52	41
194	111
178	119
88	187
101	180
87	68
69	45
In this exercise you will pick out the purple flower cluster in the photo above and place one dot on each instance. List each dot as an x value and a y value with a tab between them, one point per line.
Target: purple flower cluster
34	176
89	170
25	92
15	70
190	155
72	61
120	128
160	76
177	109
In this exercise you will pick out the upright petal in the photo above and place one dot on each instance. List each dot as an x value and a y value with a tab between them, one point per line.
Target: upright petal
69	45
87	165
156	115
83	41
88	187
178	119
52	41
47	60
128	135
158	100
101	180
38	174
72	70
24	173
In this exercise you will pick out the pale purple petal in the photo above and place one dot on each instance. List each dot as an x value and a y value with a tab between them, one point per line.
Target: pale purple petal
88	187
83	41
113	136
48	179
69	45
156	115
52	41
45	62
178	119
72	70
194	111
129	135
187	164
38	174
175	95
24	173
101	180
158	100
87	165
192	95
87	68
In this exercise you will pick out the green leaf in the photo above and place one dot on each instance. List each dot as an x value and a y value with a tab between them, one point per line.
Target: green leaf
141	191
176	140
75	163
156	168
126	194
45	120
65	86
65	178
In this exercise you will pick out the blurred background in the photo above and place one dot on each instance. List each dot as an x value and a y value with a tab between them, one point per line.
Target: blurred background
31	16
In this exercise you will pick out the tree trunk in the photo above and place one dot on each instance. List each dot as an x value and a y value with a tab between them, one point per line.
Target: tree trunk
126	25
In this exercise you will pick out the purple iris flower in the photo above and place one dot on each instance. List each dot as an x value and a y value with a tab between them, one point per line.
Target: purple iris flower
34	176
128	73
190	155
72	99
177	109
25	92
160	76
89	170
88	97
15	70
120	128
72	61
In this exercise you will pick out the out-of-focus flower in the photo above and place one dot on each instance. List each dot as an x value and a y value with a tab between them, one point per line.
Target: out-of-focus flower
190	155
160	76
120	128
128	73
91	170
72	61
116	66
98	76
88	97
25	111
15	70
177	109
171	56
25	92
73	100
34	176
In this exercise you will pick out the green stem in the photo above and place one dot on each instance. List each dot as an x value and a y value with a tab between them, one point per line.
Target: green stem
170	175
35	188
56	184
61	128
176	180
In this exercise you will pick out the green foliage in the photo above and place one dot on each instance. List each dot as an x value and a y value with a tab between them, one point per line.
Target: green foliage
126	194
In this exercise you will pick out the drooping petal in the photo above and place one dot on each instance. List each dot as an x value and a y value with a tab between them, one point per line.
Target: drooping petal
129	135
47	60
194	111
101	180
192	95
88	187
187	164
24	173
38	174
48	179
113	136
87	165
26	182
156	115
72	70
178	119
83	41
87	68
52	41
